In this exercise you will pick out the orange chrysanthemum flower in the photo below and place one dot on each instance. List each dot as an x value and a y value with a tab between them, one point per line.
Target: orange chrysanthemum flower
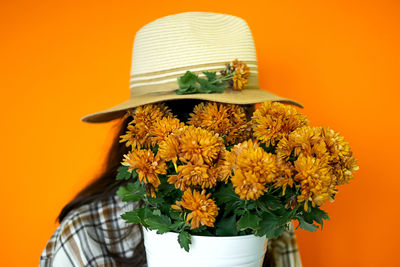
149	113
241	76
250	157
162	128
227	120
324	144
305	140
343	170
253	168
132	137
204	210
199	146
146	164
138	134
284	176
248	185
196	175
274	120
315	180
168	148
221	169
340	156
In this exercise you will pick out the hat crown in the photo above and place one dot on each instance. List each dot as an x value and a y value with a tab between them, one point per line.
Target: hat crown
197	41
166	48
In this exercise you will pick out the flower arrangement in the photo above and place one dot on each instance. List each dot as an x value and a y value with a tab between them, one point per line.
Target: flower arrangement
223	174
234	76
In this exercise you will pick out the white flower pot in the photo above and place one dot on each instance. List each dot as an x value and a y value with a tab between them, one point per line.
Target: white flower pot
205	251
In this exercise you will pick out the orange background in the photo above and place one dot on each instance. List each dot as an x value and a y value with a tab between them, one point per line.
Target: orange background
61	60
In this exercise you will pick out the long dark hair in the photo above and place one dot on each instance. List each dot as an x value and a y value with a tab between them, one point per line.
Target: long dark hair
105	185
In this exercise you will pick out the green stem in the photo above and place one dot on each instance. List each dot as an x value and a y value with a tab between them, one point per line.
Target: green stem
245	204
225	78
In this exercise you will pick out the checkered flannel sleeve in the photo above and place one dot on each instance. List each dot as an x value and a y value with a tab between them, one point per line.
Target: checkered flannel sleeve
283	251
74	242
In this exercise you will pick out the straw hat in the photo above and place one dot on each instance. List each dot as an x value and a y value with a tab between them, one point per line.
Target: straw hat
166	48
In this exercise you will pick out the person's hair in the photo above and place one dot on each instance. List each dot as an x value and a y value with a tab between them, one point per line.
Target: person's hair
105	184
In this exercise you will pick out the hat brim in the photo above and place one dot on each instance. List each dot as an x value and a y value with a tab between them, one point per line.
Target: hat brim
247	96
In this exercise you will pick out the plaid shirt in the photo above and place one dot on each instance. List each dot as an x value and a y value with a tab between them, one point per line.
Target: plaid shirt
74	241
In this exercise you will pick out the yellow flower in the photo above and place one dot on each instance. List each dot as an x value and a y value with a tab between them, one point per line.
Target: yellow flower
322	143
168	148
248	185
284	175
315	180
221	169
195	175
273	120
131	137
138	134
149	113
340	156
204	210
225	119
250	157
253	169
162	128
305	140
241	76
151	190
344	169
199	146
146	164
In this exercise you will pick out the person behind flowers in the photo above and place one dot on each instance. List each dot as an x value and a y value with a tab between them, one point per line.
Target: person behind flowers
91	230
219	49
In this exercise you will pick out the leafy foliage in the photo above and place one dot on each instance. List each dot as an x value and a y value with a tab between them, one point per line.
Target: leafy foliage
226	226
185	239
249	203
190	83
132	192
123	173
248	220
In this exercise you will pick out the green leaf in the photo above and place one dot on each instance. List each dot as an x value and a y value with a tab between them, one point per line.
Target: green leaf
177	225
199	230
190	83
155	201
232	206
225	194
206	86
157	212
287	216
306	226
132	192
316	214
187	80
123	173
268	203
248	220
135	216
175	215
251	205
184	239
268	225
159	223
211	76
226	226
220	87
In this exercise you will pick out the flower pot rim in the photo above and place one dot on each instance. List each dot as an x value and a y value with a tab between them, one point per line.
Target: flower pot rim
207	237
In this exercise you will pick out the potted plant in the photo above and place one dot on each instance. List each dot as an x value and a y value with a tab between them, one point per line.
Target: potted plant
220	179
